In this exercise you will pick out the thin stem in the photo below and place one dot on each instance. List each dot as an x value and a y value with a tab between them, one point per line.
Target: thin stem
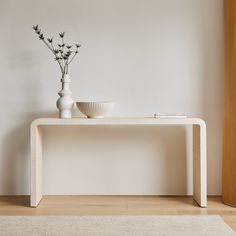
65	61
62	61
48	46
56	56
52	46
67	65
72	58
53	53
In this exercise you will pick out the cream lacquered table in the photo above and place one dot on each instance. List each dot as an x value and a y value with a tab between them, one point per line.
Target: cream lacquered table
199	148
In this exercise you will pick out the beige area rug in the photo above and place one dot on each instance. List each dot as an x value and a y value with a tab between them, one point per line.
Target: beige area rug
114	225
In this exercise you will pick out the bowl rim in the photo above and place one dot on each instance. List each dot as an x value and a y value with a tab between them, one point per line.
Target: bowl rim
96	102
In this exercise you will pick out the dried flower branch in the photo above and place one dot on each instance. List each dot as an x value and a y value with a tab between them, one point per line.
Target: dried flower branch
63	53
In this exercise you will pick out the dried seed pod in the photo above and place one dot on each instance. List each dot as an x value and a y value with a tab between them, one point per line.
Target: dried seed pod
50	40
62	34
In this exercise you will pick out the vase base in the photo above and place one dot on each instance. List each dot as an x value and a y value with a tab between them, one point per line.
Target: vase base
65	114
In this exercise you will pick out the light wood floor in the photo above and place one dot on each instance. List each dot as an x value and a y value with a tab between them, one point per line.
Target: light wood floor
116	205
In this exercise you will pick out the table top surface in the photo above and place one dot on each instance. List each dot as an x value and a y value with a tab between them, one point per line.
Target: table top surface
119	121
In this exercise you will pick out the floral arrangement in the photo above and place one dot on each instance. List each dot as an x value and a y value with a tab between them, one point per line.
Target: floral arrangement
63	53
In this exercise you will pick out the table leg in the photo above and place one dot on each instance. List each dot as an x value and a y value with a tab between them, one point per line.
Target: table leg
199	165
36	165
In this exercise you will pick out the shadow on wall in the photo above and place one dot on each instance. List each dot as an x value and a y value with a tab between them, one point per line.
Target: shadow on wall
25	79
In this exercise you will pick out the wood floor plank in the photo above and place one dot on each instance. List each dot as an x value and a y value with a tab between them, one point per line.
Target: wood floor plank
116	205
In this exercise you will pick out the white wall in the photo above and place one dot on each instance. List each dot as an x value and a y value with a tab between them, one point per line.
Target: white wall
147	55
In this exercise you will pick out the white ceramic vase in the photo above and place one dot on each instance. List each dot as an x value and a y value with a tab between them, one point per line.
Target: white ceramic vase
65	103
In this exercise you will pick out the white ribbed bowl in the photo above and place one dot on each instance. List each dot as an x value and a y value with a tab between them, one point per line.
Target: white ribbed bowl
95	109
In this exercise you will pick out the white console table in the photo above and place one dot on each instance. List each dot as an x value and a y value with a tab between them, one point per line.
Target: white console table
199	148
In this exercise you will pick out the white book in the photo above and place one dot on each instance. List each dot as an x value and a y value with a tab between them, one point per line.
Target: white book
169	116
